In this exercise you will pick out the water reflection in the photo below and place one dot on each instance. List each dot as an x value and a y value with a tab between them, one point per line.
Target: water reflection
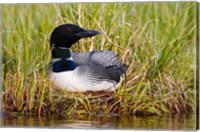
179	122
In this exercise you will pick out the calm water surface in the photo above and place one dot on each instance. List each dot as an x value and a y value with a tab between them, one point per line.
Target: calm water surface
179	122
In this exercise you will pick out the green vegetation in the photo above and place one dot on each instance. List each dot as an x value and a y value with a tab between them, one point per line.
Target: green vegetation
156	40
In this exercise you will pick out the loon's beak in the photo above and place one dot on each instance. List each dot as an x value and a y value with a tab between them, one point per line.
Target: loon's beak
87	33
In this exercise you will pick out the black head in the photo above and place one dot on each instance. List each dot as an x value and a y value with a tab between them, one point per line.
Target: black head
66	35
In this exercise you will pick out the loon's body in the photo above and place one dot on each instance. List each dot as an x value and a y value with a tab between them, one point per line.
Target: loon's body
82	72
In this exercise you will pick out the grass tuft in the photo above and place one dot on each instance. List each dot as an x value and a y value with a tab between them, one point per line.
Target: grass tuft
156	41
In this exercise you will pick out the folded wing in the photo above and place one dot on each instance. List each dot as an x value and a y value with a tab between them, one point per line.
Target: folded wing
104	63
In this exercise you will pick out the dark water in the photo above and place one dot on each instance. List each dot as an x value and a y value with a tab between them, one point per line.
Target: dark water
178	122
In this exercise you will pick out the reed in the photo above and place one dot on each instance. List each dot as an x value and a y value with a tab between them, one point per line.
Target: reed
156	40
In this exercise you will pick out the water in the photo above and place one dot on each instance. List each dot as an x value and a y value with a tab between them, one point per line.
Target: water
179	122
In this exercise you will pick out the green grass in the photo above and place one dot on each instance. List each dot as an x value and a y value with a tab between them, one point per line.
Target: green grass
156	40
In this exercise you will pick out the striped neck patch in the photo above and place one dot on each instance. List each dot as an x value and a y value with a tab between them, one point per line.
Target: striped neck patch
59	52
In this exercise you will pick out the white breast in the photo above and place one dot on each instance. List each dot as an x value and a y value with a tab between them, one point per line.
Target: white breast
72	81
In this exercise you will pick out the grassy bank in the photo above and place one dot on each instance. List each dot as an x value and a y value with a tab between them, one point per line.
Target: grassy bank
155	40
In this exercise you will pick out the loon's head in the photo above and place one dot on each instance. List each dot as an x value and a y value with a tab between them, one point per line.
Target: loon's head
66	35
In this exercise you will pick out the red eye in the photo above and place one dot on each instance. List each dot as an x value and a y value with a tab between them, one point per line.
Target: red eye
69	30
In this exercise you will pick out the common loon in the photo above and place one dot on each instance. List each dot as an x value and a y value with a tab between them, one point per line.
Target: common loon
82	72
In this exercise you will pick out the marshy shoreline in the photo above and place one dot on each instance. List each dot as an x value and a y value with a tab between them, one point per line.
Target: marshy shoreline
156	40
174	122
